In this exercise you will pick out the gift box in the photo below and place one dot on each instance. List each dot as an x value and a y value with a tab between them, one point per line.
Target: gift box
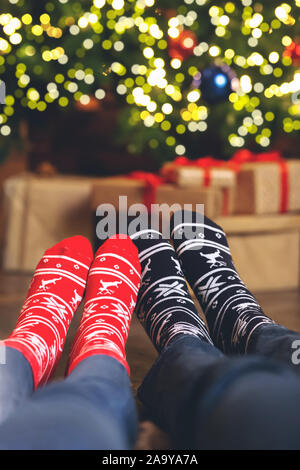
265	249
268	187
195	176
40	212
139	189
203	173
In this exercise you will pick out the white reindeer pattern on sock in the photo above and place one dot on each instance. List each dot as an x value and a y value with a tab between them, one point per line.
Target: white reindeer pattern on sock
105	287
212	259
76	299
44	283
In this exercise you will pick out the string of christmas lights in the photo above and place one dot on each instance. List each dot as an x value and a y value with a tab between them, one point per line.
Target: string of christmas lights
179	66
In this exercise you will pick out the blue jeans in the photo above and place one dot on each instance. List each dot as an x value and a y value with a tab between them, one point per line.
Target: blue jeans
206	400
93	408
202	398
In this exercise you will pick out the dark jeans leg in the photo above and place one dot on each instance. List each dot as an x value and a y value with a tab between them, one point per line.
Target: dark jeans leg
93	408
208	401
279	343
16	381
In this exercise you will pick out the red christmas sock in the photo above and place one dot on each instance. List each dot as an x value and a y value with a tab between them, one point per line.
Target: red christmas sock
112	288
55	292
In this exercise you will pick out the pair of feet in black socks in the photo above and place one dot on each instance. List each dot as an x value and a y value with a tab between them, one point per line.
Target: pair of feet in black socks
164	305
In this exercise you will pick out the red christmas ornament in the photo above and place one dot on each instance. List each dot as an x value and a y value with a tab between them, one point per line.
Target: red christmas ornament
183	45
293	51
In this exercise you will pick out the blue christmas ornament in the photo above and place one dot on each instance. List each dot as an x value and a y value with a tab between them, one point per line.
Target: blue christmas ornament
216	83
221	80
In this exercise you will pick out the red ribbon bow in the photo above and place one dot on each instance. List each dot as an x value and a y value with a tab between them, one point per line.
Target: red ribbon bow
152	181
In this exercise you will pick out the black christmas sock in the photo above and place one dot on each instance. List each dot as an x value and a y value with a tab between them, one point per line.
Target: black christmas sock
164	305
232	313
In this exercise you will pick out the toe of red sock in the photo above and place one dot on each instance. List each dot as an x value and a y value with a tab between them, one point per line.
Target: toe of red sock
77	244
123	245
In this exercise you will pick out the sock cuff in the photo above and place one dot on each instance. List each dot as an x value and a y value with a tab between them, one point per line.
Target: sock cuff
97	351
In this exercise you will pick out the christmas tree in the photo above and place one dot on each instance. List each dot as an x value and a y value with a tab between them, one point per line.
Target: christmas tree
193	74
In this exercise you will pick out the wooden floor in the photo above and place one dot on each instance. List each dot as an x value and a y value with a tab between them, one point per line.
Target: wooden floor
282	306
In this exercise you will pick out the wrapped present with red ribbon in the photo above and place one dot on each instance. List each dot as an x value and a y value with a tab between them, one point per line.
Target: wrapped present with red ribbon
266	183
150	188
206	172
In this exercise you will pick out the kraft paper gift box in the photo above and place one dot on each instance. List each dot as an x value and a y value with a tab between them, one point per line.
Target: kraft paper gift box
265	188
40	212
194	177
108	190
265	249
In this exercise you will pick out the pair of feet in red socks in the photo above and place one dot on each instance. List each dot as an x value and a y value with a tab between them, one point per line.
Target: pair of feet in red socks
110	282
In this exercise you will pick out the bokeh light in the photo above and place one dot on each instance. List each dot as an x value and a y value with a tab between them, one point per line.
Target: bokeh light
151	59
